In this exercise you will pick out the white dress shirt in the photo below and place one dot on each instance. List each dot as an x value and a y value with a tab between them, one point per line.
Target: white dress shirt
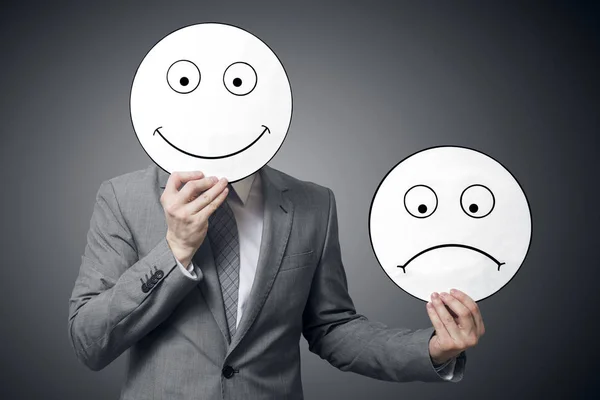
247	206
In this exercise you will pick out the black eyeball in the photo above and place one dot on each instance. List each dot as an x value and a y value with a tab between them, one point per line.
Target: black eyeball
183	76
420	201
477	201
240	78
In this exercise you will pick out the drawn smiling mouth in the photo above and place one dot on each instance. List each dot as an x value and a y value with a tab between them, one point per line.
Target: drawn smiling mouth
464	246
265	130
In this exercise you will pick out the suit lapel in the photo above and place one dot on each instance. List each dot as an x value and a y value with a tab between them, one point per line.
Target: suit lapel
277	224
209	286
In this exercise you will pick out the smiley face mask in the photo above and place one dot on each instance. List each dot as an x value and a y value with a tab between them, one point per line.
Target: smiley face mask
211	97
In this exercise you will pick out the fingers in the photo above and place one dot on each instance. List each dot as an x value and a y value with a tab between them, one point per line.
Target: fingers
463	314
206	198
470	304
179	178
436	321
194	188
444	315
210	208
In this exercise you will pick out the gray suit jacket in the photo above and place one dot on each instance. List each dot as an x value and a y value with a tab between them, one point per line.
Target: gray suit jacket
130	295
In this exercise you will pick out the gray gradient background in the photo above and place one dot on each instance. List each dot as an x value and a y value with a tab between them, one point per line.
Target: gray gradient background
372	84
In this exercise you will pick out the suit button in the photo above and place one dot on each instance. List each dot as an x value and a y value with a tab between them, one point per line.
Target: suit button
159	274
154	279
145	288
228	371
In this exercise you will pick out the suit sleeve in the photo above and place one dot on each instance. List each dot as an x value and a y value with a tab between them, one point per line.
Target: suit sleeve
117	298
351	342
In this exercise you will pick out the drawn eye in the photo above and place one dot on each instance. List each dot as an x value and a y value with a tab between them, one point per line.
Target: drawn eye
420	201
477	201
183	76
240	78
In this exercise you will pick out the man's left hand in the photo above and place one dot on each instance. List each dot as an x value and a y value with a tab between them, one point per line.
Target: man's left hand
457	322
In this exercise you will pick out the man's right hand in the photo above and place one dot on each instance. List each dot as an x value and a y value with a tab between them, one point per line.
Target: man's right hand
187	210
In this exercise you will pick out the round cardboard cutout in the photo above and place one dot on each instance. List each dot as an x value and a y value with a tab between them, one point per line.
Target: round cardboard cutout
211	97
450	217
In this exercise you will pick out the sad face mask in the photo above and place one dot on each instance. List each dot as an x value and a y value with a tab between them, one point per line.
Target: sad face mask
450	217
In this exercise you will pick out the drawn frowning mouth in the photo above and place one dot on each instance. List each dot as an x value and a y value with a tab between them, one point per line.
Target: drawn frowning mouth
265	130
464	246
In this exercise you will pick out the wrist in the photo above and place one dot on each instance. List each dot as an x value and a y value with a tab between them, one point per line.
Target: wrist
184	256
185	262
437	358
437	362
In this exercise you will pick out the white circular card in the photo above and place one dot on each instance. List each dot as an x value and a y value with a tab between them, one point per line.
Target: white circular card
211	97
450	217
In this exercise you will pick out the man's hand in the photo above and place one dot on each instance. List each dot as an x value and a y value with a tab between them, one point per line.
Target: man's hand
457	322
187	210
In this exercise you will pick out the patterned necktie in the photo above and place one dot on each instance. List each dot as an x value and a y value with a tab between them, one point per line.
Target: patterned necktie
225	244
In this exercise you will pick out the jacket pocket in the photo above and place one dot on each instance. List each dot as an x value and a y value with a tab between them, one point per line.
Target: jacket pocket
298	260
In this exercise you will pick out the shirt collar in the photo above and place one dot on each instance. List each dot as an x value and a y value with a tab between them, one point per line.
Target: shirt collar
243	186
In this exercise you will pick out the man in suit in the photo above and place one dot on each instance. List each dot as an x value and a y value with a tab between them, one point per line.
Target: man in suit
210	286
